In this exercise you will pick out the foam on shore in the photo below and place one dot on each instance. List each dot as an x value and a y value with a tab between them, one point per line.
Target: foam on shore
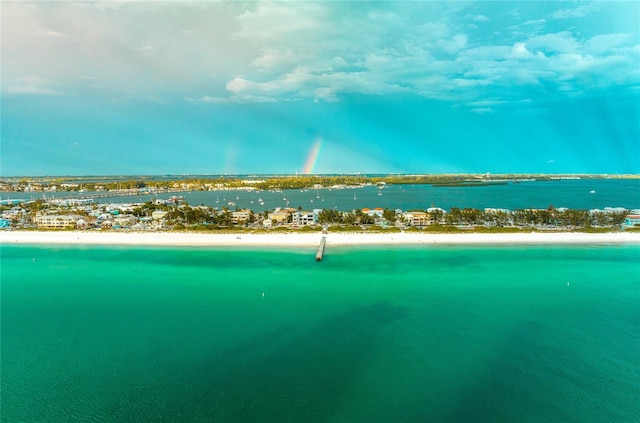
308	239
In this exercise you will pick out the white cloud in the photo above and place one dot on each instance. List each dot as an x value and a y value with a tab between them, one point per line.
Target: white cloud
273	58
482	110
113	43
487	103
386	52
578	12
244	98
207	99
554	42
320	51
519	51
480	18
28	20
605	42
435	30
33	85
146	47
276	21
535	22
454	44
325	94
402	57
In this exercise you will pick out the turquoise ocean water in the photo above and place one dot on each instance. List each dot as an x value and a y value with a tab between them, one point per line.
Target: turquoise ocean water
402	334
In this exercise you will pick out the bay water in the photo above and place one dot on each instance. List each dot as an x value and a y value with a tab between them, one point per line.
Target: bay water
582	194
395	333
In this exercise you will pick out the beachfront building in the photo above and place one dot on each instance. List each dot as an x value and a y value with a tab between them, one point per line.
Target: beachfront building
241	216
435	216
497	217
632	220
416	218
125	221
376	213
158	214
57	221
304	218
14	215
72	202
277	217
614	210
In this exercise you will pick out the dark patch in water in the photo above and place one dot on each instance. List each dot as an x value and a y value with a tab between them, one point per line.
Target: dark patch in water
287	376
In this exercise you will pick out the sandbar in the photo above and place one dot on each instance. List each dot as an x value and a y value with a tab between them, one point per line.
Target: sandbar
308	239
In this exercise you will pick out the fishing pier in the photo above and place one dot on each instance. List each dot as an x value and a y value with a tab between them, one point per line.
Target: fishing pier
320	253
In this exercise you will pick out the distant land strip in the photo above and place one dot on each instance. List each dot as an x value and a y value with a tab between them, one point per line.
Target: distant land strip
209	182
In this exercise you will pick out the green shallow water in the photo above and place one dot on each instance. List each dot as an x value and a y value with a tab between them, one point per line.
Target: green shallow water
512	334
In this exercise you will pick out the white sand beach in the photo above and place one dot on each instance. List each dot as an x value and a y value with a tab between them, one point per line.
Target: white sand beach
307	239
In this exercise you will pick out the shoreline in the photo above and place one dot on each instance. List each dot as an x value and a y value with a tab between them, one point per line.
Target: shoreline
308	239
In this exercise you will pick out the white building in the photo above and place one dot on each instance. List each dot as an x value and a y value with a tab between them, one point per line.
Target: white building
377	212
125	220
632	220
277	216
495	211
158	214
416	218
57	221
304	218
241	216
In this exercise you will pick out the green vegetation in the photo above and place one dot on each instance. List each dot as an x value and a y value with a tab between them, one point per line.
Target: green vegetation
592	230
346	228
310	229
204	219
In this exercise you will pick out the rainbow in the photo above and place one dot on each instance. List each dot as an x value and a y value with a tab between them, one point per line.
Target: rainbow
312	157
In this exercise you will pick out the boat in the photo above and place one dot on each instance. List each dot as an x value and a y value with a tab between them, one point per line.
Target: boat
592	192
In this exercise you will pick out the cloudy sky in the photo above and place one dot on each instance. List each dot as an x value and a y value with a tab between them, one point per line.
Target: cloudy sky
143	87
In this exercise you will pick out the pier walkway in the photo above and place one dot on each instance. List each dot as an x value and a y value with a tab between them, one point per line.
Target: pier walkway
320	253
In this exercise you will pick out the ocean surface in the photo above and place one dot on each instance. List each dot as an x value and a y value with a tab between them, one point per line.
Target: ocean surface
582	194
390	334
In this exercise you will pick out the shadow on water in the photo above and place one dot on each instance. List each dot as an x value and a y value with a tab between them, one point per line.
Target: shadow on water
286	376
532	378
496	394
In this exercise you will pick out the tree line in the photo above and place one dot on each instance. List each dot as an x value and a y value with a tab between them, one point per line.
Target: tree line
551	217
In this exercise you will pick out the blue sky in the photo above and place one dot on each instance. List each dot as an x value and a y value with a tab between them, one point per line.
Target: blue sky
383	87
